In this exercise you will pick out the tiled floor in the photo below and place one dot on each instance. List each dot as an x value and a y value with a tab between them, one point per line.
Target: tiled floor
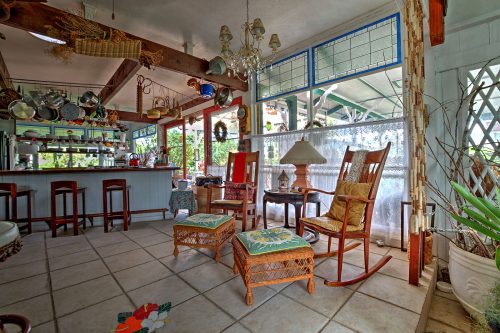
79	284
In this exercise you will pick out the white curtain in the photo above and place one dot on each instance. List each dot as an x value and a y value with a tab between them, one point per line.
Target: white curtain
331	142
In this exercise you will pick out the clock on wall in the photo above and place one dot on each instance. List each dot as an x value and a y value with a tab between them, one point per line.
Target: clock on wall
242	112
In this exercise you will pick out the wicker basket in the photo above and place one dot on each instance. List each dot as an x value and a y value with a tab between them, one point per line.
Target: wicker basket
103	48
200	193
427	248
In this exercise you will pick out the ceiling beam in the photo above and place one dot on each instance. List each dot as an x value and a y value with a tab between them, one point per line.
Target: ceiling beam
37	18
135	117
5	81
127	69
192	103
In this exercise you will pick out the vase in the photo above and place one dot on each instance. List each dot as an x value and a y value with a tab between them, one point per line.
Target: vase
472	277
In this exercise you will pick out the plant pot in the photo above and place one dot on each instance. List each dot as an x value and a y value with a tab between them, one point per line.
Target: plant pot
472	277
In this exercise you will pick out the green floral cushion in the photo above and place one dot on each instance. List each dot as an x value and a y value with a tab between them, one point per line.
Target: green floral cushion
270	240
209	221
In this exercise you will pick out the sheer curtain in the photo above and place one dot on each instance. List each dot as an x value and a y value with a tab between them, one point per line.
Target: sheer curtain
331	143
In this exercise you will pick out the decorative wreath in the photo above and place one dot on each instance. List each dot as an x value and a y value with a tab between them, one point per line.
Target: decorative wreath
220	131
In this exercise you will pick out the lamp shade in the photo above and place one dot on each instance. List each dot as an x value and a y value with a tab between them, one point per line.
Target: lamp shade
302	152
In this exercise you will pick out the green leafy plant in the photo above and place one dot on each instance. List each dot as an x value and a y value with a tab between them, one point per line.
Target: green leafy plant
482	216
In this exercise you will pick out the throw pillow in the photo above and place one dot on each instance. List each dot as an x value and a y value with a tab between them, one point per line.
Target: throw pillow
236	191
357	208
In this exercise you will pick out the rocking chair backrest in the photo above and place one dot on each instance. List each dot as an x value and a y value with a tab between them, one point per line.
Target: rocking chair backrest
252	169
374	165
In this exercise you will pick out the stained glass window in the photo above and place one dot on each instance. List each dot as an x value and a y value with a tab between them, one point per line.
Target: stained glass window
368	48
285	76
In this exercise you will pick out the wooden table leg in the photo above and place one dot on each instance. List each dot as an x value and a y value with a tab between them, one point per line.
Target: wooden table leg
286	216
297	217
318	209
264	215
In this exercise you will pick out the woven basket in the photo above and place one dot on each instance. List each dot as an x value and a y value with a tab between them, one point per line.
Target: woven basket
427	248
109	49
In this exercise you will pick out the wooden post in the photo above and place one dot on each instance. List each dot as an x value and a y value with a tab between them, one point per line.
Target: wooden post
413	19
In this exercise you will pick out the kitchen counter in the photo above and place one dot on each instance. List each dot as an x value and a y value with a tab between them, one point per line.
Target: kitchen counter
150	190
83	170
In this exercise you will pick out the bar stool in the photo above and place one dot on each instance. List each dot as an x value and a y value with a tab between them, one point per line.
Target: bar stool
108	187
66	187
12	191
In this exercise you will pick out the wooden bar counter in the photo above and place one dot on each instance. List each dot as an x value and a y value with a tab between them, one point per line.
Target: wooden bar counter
150	188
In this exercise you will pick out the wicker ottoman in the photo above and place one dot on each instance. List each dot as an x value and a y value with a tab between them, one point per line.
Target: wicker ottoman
204	230
290	259
10	240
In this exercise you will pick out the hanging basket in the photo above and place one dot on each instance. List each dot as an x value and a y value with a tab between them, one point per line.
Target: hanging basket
105	48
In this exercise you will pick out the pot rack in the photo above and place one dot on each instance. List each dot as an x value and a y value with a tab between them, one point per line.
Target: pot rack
148	87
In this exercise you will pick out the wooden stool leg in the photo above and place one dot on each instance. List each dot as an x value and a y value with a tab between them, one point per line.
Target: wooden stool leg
111	207
7	208
310	285
53	214
29	212
249	296
105	208
125	209
84	212
75	212
128	207
65	213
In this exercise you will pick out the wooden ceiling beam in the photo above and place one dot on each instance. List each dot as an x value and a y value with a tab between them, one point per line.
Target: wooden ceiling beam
135	117
127	69
36	17
5	81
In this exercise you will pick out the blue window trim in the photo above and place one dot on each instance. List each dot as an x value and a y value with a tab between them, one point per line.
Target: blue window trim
308	85
143	136
398	62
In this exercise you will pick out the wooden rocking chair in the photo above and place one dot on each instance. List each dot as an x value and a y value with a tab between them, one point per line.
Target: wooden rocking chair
246	186
352	209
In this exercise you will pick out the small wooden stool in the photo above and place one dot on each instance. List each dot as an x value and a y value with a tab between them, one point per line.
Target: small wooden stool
108	187
272	265
204	231
12	191
66	187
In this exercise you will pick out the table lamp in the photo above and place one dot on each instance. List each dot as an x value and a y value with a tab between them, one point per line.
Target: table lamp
301	155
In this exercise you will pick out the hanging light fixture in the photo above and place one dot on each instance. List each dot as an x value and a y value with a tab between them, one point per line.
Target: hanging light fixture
248	60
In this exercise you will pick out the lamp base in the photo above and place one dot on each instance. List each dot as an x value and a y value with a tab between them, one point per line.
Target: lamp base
301	173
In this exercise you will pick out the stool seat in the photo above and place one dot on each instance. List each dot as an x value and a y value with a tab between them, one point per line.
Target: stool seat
64	188
108	187
68	190
204	231
11	192
10	239
291	263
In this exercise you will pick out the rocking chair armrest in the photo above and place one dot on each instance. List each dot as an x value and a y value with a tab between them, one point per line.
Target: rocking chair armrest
344	197
306	190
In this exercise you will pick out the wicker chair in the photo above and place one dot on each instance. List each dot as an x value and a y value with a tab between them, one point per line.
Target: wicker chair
342	229
243	209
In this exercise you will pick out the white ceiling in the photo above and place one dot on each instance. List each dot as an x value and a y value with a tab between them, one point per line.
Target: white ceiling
172	23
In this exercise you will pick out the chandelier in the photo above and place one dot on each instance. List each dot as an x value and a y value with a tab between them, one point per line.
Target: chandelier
248	60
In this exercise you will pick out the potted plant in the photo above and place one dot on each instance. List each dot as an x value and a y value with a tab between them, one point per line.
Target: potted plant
474	275
471	207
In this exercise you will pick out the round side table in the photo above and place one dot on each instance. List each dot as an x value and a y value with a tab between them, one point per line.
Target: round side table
296	199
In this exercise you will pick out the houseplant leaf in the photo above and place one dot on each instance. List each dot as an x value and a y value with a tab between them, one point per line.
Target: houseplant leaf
476	226
482	220
473	200
497	257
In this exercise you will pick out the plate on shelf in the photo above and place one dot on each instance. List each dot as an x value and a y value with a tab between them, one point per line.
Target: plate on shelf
31	134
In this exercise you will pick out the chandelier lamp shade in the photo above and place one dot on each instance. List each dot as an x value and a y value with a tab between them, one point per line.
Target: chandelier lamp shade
301	155
248	59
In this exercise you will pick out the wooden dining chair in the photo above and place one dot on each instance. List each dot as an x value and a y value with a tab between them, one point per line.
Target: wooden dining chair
242	177
350	214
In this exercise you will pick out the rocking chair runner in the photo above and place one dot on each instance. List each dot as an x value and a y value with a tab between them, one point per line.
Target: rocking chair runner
242	175
346	227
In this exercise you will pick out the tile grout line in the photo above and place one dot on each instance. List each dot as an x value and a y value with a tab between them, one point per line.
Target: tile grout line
54	316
